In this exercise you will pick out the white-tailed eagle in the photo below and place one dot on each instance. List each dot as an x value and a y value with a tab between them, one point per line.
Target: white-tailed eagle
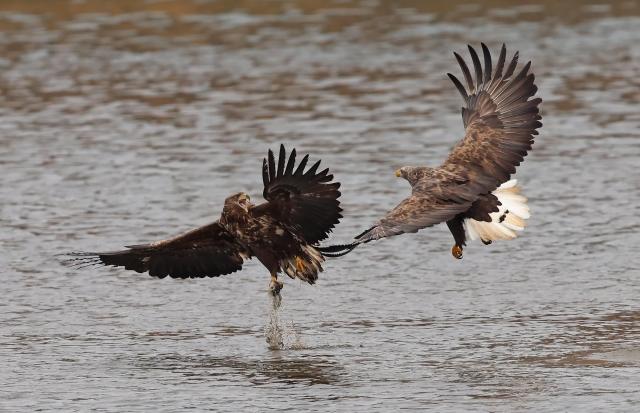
472	191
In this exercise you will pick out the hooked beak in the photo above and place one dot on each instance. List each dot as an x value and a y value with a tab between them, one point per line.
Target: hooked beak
398	173
244	200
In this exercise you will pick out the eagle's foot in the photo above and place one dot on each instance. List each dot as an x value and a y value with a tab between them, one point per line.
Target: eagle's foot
275	286
456	251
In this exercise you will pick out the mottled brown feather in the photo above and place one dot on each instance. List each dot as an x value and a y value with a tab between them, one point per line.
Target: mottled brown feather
208	251
302	207
500	122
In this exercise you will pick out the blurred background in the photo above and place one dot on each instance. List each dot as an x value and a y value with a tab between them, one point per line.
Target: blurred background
128	121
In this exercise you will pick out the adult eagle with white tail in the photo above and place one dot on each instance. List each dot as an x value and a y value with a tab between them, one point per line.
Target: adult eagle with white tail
302	208
472	191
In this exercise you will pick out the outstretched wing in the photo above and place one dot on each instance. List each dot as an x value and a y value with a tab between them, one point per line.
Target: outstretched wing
500	122
437	199
208	251
499	117
306	201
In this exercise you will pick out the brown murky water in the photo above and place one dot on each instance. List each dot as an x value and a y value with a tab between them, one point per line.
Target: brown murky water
131	121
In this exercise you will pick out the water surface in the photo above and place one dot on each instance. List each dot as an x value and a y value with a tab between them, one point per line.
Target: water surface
132	121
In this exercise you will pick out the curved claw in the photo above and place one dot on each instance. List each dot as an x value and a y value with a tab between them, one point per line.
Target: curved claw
456	251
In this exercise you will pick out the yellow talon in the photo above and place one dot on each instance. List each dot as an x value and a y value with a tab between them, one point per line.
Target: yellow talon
456	251
300	264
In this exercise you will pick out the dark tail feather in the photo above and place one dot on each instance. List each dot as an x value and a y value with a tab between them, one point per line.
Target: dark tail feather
334	251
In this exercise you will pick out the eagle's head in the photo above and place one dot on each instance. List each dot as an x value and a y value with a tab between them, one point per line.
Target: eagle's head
239	202
413	173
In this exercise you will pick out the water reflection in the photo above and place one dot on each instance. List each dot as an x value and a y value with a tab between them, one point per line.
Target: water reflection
274	369
606	338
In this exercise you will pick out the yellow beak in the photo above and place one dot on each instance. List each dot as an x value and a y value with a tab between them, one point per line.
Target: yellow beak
398	173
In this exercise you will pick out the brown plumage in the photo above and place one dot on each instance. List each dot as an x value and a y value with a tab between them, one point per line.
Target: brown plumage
302	208
465	191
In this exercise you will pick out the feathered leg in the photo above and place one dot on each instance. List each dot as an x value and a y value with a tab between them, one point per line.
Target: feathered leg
275	286
457	230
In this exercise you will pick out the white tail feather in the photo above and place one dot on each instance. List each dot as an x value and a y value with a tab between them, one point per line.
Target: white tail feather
507	221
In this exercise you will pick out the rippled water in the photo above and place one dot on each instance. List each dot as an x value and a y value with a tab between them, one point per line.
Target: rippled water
131	121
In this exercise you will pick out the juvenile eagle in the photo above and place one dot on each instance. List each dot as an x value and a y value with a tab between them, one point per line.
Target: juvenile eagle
472	191
302	208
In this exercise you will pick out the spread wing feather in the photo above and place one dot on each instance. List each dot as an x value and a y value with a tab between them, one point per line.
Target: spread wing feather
412	214
434	200
500	121
208	251
306	201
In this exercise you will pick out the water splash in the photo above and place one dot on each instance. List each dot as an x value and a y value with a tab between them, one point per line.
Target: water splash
279	334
